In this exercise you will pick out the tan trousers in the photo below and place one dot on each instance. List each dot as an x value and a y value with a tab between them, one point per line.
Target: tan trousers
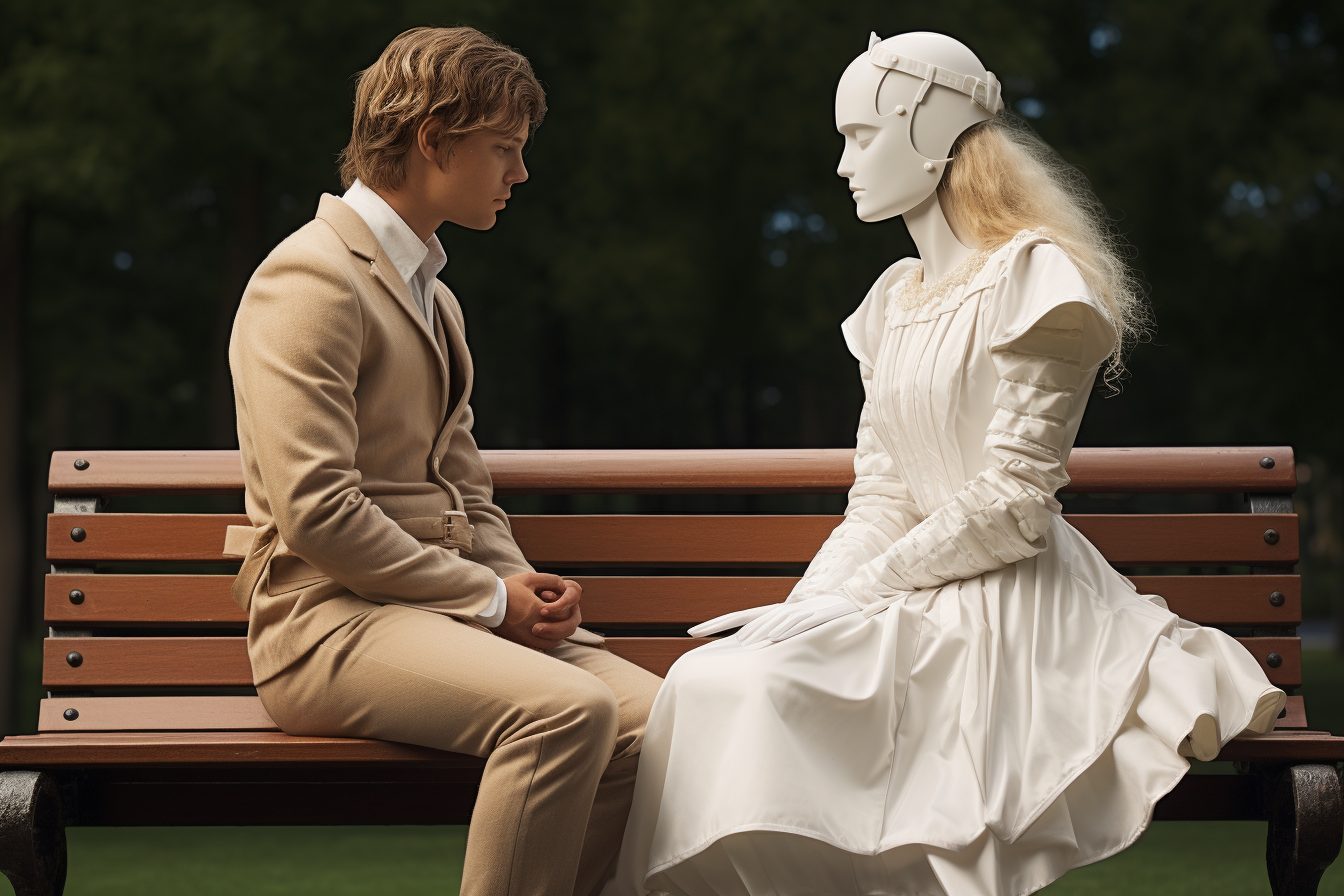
561	730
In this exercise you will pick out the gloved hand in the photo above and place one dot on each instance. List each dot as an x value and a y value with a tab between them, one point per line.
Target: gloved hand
783	621
729	620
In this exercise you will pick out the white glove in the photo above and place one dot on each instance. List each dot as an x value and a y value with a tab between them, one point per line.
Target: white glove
786	620
729	620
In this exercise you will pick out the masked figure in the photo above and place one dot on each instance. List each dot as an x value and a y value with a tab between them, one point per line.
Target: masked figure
961	695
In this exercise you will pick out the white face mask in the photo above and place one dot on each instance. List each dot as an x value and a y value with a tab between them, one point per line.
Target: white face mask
887	173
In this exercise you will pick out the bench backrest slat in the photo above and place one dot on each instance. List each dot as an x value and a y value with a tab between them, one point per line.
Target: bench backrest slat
222	662
187	600
718	540
759	471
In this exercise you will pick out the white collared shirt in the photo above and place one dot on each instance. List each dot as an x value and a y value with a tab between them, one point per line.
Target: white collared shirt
418	263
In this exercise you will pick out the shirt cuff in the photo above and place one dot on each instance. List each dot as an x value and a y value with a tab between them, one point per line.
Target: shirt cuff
493	615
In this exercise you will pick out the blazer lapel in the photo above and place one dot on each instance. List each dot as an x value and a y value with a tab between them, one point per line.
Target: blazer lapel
350	227
463	372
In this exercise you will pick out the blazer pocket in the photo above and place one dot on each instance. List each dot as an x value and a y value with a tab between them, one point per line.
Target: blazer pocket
289	573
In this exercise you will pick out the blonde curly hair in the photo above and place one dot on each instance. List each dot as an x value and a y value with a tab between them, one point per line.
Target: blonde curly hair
1004	179
457	77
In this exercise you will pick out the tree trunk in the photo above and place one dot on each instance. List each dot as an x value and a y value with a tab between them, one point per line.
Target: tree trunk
13	532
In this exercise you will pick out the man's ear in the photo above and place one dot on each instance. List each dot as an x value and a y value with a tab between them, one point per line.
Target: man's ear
429	142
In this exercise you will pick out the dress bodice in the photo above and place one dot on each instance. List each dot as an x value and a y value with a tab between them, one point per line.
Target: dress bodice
933	368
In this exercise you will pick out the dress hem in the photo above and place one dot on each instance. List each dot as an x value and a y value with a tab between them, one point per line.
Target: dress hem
885	846
830	841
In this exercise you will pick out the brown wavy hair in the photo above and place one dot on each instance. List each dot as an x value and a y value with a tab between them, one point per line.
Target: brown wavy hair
458	77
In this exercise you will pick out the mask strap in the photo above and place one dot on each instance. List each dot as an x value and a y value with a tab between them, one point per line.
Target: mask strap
924	88
986	94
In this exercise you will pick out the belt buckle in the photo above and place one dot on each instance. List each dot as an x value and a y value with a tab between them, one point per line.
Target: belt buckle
457	532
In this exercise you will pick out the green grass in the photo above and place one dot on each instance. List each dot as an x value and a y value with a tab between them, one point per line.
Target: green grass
1186	858
322	861
1172	859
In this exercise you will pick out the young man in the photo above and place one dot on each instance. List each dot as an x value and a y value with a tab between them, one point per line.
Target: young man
387	598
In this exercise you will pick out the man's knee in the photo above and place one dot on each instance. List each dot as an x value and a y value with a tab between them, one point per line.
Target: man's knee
597	710
577	707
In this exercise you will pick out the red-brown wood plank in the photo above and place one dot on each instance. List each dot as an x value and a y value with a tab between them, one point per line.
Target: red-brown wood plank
195	713
140	536
670	540
141	599
1294	714
109	750
1228	600
110	599
103	749
247	714
1113	470
1285	746
146	662
222	662
646	540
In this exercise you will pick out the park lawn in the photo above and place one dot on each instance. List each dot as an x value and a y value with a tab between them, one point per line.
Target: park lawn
1171	859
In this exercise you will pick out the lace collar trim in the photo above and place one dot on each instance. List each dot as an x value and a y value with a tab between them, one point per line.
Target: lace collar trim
909	302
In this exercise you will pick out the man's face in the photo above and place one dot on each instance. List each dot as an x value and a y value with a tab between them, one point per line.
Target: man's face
481	172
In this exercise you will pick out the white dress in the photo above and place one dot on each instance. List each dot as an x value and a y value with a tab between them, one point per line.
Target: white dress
1007	706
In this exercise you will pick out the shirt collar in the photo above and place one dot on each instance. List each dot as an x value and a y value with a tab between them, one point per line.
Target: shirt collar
399	242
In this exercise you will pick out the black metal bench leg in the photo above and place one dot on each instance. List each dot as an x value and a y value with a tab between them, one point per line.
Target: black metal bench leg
1306	822
32	834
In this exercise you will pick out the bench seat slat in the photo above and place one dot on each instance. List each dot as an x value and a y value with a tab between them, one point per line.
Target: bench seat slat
679	540
757	471
623	600
155	714
247	714
228	748
222	662
101	749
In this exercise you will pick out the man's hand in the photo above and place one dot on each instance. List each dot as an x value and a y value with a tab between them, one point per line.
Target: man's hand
542	611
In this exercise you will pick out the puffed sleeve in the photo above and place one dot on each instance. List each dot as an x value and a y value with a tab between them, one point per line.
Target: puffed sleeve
1046	336
880	508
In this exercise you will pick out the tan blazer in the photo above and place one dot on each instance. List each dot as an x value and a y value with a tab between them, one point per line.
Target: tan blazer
354	428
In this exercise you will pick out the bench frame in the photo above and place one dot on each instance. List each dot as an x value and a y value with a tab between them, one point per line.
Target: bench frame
54	779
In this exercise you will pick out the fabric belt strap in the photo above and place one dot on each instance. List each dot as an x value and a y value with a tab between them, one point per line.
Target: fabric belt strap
450	530
987	93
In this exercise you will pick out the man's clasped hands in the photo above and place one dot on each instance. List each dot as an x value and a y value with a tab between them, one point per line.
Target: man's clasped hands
543	610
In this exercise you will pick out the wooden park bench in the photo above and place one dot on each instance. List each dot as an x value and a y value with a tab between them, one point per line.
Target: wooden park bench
150	717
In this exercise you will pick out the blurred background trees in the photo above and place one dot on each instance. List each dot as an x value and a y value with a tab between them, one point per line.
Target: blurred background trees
674	273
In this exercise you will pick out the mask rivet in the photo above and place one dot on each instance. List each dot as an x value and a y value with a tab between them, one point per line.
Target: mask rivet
895	58
900	110
928	166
